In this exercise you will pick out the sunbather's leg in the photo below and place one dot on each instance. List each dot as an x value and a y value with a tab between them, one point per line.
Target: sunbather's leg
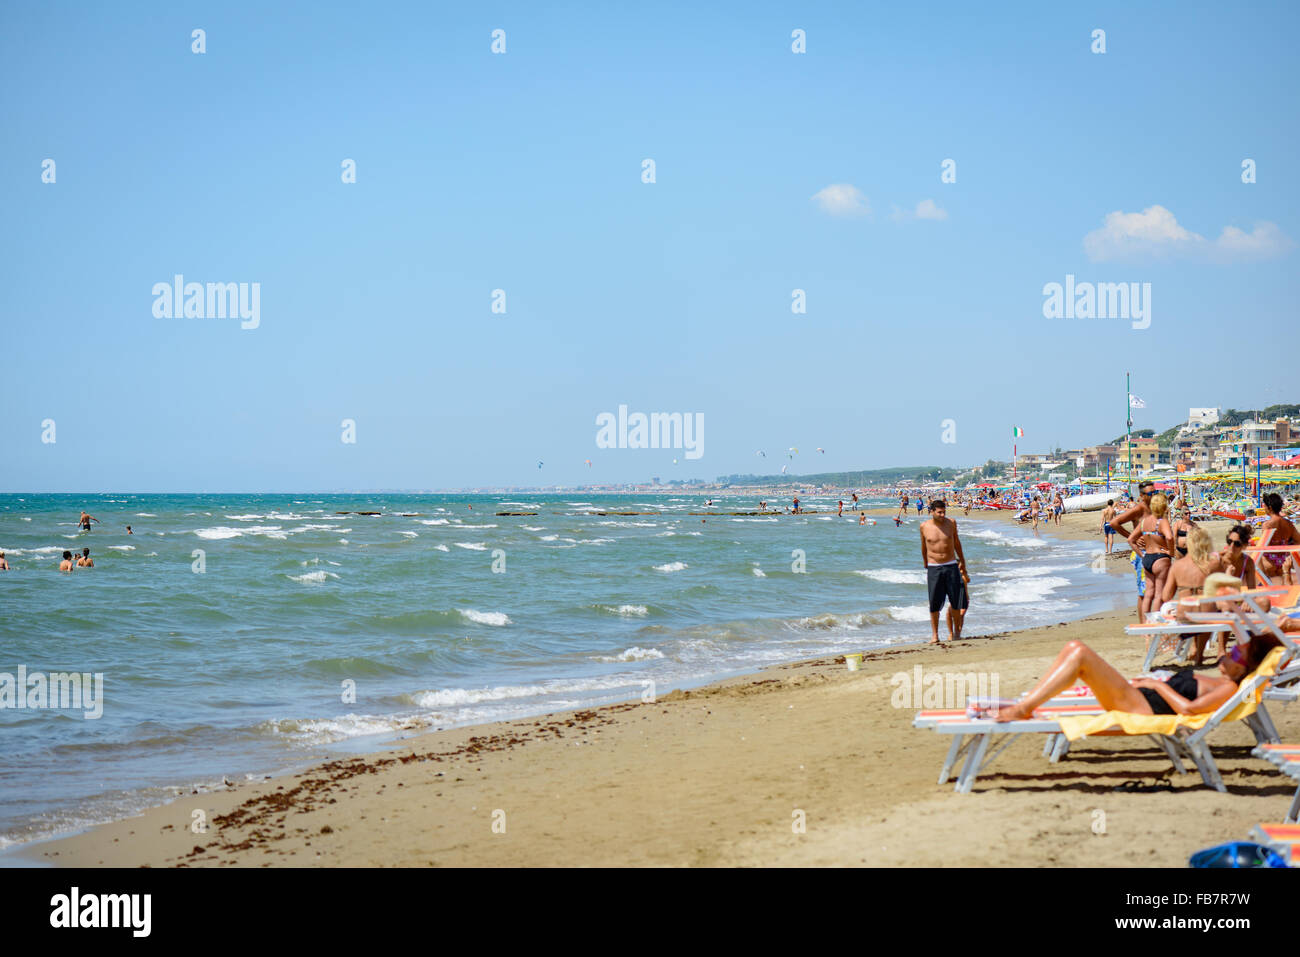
1077	661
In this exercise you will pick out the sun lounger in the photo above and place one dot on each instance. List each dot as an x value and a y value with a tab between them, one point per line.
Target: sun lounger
1211	623
1286	758
1155	632
1283	838
1181	736
1252	615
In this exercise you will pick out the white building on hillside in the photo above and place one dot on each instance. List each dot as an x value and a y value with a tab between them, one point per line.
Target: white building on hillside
1202	416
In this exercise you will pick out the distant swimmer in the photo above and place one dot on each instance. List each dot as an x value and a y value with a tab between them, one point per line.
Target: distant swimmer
841	512
763	506
862	518
66	564
855	499
897	521
945	569
796	505
4	565
85	561
85	520
902	510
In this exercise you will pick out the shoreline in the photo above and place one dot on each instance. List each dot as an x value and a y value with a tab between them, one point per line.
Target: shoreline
254	819
251	820
714	776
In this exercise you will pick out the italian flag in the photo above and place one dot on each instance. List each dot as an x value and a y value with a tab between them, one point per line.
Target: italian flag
1017	432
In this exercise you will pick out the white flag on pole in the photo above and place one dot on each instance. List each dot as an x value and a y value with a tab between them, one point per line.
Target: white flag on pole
1135	403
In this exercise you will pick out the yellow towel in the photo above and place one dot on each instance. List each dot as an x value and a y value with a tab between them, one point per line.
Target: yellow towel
1080	726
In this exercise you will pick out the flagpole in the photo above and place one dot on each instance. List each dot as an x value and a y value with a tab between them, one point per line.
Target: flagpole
1128	434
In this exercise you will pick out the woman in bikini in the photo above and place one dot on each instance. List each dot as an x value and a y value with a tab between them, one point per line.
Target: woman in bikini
1151	539
1184	693
1187	576
1284	533
1233	556
1182	526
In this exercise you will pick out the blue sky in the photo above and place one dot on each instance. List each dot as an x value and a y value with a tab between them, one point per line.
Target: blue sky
522	172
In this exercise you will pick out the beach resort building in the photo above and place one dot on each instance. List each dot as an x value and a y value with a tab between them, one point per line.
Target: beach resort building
1097	458
1195	452
1242	446
1146	453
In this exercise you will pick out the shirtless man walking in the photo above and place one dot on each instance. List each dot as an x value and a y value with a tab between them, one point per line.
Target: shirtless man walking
85	520
1108	516
945	570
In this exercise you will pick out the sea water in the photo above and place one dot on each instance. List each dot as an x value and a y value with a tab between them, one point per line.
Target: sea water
240	635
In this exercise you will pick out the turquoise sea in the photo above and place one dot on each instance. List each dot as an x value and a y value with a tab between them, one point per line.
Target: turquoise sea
437	612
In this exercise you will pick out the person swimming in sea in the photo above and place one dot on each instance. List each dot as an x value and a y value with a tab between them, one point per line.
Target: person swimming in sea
85	520
85	561
128	530
66	565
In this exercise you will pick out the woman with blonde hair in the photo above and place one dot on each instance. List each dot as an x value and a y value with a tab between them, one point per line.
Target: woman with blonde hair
1187	576
1152	538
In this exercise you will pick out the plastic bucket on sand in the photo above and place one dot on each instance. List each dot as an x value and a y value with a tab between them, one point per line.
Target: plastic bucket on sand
853	662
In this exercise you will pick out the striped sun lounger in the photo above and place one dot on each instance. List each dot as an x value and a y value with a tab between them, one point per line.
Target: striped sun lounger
1180	736
1286	758
1283	838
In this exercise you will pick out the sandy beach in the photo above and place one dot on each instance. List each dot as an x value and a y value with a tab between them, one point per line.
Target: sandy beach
724	775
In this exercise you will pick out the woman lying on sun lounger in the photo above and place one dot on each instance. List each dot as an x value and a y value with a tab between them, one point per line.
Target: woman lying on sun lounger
1185	693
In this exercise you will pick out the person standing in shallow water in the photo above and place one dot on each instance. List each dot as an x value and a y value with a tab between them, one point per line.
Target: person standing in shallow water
945	570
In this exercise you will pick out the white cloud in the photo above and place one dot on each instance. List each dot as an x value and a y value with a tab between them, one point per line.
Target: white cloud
841	199
1265	241
925	209
929	209
1156	233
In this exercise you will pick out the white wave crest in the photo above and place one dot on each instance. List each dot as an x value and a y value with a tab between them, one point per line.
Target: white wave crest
495	618
631	654
895	576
